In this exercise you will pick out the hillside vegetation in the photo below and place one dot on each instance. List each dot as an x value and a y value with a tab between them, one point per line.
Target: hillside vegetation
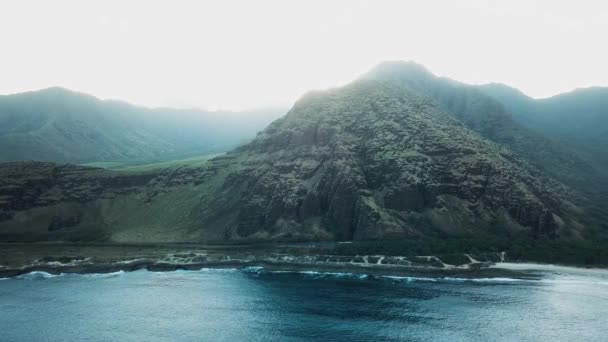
62	126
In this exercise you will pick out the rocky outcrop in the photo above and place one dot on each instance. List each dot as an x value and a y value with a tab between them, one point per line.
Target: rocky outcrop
370	161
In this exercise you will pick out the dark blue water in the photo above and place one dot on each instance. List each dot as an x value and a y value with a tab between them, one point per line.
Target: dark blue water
229	305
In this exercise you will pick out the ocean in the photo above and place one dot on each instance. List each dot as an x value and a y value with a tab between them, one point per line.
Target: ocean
554	304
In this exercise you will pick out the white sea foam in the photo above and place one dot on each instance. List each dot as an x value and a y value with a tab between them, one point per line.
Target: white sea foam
73	262
364	276
471	259
452	279
104	275
327	274
253	269
309	273
218	270
129	261
552	268
321	274
34	275
409	279
37	275
497	280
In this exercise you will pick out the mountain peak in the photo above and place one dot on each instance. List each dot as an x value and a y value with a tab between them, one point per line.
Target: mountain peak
55	89
59	91
392	70
54	93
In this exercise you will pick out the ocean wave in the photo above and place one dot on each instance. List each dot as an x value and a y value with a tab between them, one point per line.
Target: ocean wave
409	279
456	280
321	274
103	275
328	274
129	261
36	275
314	274
252	269
497	280
217	270
364	276
258	270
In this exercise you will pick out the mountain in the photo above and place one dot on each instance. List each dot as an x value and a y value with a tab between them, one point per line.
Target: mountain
60	125
491	119
579	118
371	160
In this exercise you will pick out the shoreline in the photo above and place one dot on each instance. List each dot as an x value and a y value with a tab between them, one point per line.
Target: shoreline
103	258
271	262
375	270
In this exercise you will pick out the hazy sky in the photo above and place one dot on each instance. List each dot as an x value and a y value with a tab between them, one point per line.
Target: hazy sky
237	54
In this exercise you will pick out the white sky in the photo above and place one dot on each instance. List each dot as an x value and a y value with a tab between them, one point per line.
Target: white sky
237	54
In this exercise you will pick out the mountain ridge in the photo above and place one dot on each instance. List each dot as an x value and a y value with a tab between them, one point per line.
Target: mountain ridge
491	119
577	118
58	124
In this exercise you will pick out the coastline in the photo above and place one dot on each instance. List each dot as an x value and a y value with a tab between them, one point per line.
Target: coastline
103	258
72	258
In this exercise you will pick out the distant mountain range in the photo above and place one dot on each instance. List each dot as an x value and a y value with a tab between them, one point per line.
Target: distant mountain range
60	125
397	154
578	118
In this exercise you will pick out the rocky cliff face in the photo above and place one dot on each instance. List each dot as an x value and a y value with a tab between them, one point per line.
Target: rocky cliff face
371	160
